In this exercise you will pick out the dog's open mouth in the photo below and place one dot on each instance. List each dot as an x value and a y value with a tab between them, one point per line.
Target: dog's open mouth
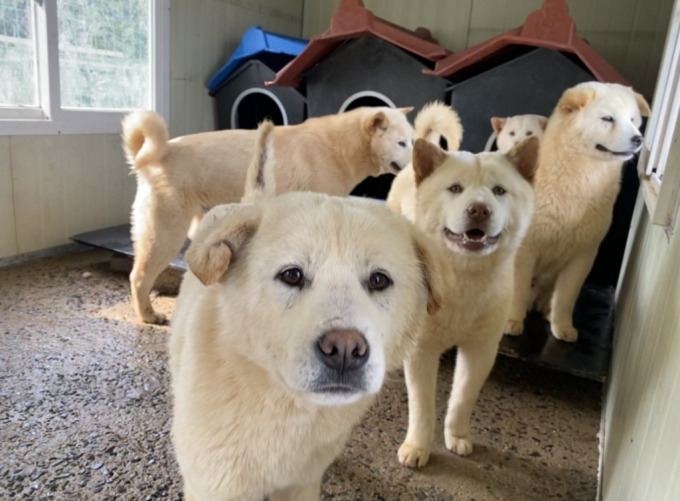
474	239
396	166
629	153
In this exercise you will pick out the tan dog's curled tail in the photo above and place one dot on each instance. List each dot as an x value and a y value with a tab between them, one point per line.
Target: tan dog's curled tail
437	119
145	138
260	180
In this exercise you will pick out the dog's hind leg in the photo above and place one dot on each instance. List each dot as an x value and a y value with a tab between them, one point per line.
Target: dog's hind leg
421	382
567	288
473	365
158	231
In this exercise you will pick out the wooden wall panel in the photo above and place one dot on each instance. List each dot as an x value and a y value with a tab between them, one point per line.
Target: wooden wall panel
8	234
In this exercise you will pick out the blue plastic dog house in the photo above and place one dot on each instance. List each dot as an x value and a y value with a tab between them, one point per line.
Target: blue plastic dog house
243	99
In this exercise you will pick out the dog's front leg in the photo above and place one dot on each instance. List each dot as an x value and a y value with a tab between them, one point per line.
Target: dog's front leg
421	382
525	263
309	492
567	288
473	365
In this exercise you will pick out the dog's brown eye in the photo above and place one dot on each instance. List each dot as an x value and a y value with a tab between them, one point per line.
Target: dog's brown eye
378	281
512	133
402	144
529	133
456	188
292	276
608	119
499	191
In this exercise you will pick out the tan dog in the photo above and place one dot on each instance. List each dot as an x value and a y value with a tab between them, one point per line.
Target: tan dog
433	121
478	207
179	180
593	130
292	312
511	131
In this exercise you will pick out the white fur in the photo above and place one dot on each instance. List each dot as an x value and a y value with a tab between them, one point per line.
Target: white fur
511	131
249	419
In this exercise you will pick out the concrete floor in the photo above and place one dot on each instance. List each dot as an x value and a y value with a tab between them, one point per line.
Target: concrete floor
84	408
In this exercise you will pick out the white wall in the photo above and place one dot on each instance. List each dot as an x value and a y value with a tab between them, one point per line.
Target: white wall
642	415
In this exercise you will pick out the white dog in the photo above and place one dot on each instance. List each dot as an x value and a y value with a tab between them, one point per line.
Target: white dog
179	180
478	207
511	131
292	312
592	132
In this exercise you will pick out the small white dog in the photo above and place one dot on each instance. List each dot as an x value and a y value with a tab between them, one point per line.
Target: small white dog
511	131
592	132
292	312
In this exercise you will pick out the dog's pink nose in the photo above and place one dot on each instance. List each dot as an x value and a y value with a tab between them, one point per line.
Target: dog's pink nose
479	212
343	350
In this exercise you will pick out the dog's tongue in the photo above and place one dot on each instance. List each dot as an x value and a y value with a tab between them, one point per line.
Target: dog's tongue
475	234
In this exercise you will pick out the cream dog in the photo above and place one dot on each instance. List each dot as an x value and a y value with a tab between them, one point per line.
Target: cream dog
593	130
478	207
511	131
292	312
179	180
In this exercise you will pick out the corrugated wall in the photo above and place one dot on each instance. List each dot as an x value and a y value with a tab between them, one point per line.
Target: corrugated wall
642	415
203	35
630	34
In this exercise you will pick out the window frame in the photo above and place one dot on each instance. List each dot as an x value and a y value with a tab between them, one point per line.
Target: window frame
659	164
49	117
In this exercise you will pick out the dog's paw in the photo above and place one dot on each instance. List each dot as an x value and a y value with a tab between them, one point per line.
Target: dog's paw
154	318
411	456
568	334
458	445
514	327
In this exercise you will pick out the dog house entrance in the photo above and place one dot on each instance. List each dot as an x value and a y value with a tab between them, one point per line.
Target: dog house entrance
254	105
367	98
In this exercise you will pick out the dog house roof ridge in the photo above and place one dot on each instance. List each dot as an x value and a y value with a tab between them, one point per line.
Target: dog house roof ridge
351	21
550	27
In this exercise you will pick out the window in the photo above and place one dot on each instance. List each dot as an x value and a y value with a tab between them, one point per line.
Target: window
76	66
659	163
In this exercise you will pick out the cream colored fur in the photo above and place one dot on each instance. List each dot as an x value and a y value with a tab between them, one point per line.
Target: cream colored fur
576	186
433	121
472	318
179	180
511	131
255	413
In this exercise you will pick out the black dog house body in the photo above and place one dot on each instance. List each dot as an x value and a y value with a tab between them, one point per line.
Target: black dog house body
244	100
369	71
529	84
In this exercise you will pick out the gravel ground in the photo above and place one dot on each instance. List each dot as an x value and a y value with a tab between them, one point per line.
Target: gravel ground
85	408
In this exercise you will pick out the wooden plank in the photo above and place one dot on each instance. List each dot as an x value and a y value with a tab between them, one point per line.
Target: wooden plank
8	234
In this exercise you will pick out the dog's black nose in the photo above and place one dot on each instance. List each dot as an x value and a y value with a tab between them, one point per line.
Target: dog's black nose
636	140
478	212
343	350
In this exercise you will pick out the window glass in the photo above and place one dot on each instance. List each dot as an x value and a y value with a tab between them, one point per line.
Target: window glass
104	53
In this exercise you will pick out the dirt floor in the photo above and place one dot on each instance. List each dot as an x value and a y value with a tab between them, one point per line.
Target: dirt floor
85	408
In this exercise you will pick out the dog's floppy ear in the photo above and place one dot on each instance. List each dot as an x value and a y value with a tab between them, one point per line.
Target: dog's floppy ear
575	99
642	103
426	158
435	268
222	233
376	121
260	177
406	110
498	123
543	122
524	157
